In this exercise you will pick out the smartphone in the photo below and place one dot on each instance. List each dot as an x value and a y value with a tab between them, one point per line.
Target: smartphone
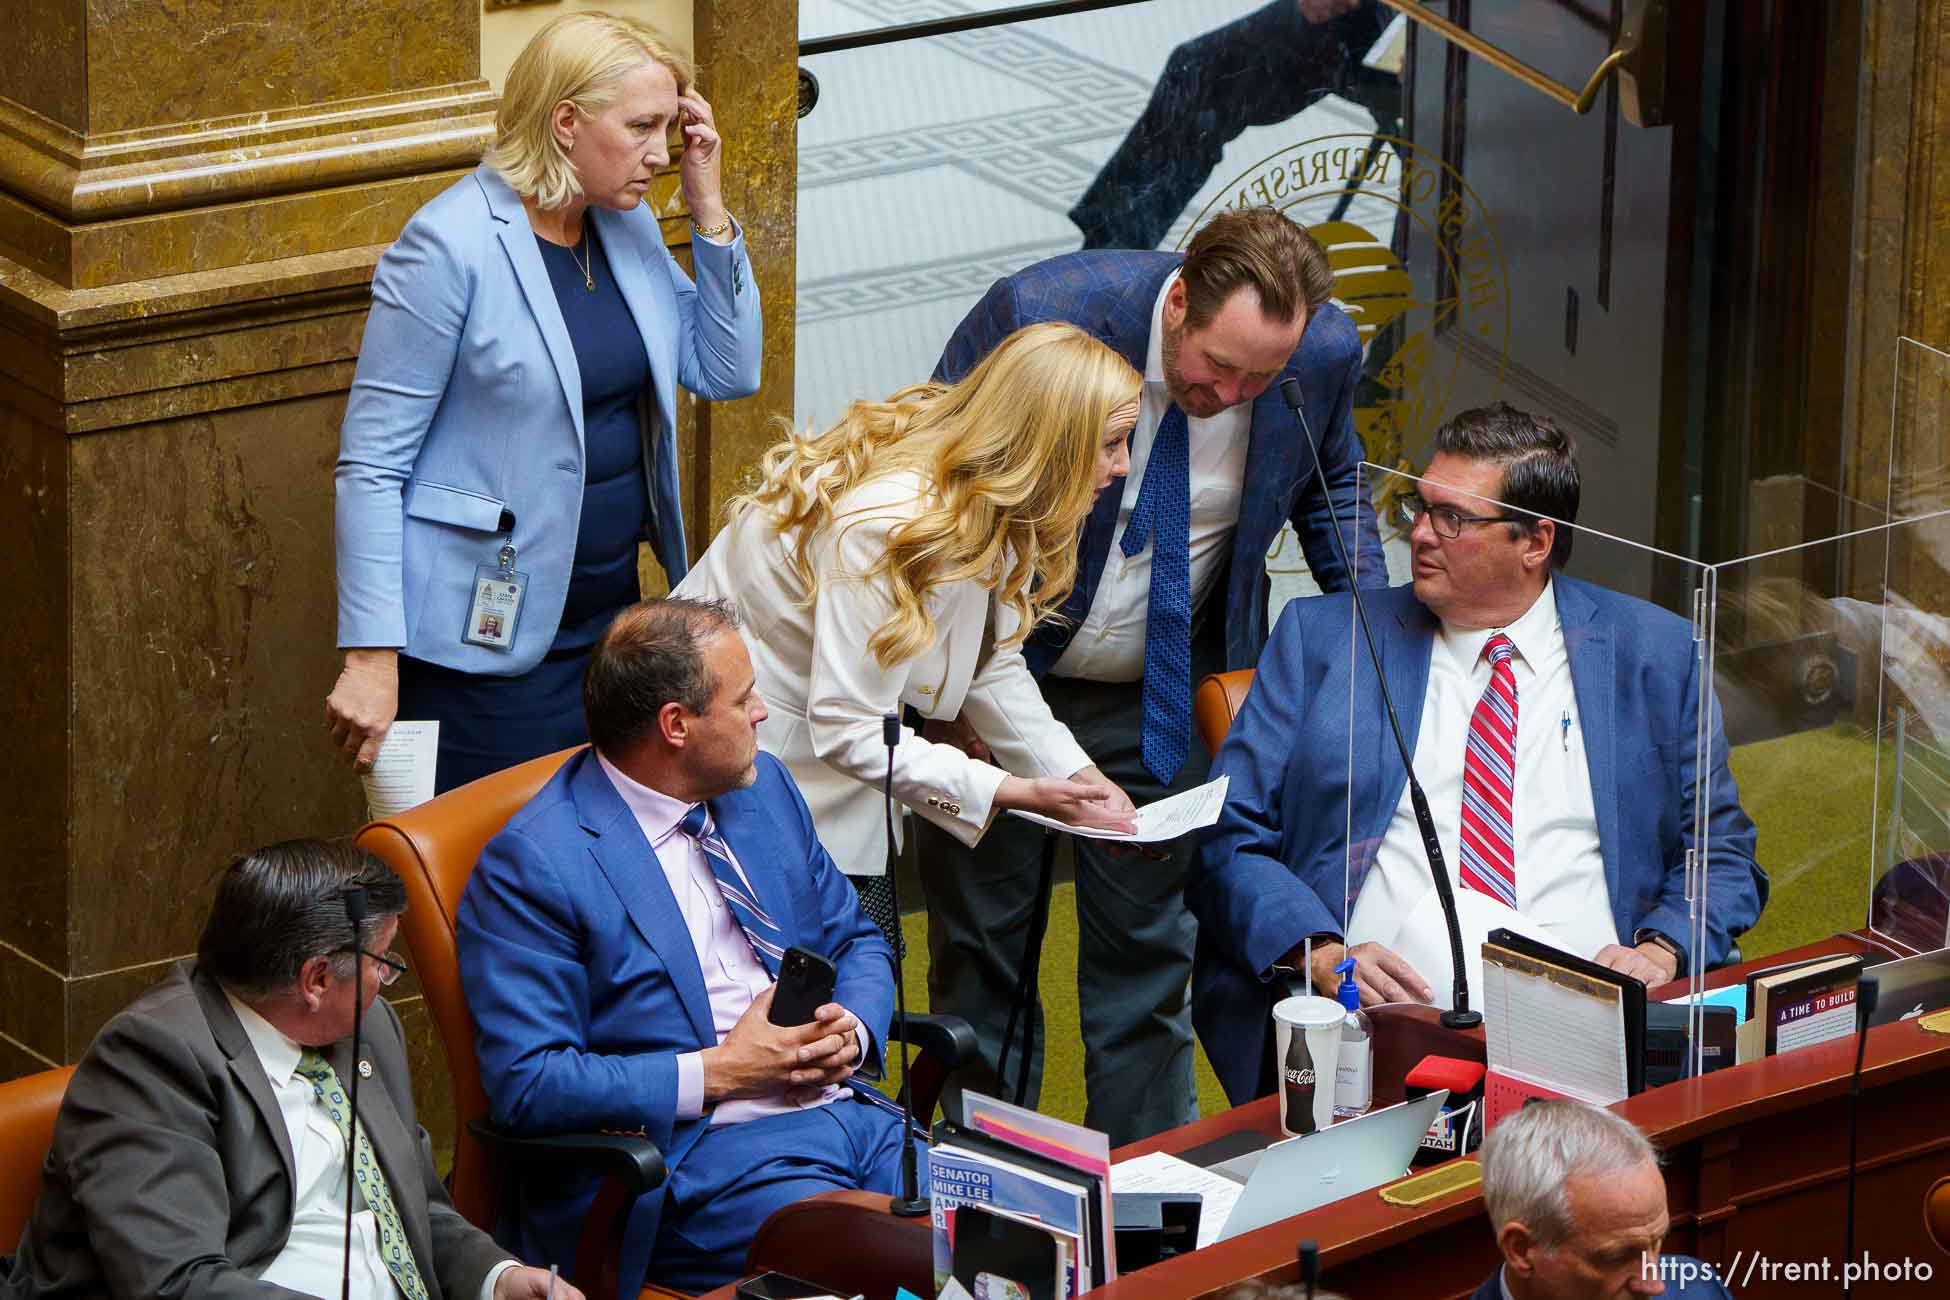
805	985
781	1286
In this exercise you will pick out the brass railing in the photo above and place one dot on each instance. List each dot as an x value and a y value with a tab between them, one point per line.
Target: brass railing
1639	60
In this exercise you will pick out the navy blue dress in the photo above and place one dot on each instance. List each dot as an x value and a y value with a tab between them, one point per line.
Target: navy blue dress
488	723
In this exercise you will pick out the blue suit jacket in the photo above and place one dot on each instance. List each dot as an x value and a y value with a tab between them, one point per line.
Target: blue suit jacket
1276	867
467	402
1699	1288
1111	295
585	985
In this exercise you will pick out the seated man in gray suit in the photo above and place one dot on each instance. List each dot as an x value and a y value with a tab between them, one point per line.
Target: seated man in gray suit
201	1147
1578	1205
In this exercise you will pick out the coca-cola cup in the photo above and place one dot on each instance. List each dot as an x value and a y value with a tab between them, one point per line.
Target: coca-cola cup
1307	1035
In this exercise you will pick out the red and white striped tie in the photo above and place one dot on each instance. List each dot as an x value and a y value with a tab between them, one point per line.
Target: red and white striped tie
1489	861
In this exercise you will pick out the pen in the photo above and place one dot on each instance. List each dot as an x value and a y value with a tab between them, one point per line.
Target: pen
1564	731
552	1269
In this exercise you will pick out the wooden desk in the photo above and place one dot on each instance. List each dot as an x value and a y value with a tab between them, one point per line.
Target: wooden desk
1755	1159
1756	1164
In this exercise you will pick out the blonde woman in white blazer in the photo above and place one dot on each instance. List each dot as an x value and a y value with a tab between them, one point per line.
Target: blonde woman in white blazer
897	560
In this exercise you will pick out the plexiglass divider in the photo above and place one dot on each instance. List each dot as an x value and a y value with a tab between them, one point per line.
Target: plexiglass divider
1909	858
1611	828
1830	658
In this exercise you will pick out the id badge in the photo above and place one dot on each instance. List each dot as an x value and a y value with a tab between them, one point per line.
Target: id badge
496	608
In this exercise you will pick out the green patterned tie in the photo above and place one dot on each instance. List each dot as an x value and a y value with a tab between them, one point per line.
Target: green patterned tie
393	1247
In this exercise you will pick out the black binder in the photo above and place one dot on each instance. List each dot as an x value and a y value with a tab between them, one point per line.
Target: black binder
1631	995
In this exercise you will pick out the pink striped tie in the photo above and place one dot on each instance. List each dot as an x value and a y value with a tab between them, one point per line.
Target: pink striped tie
1488	859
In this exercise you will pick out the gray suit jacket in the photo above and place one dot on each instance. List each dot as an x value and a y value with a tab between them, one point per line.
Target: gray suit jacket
171	1170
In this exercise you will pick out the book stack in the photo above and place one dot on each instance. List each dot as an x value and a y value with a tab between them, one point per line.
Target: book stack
1020	1204
1799	1005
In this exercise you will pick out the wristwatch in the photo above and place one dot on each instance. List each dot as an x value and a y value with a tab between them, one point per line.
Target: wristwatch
1659	940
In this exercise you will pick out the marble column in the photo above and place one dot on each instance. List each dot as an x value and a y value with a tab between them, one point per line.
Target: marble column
1901	247
192	197
193	194
747	52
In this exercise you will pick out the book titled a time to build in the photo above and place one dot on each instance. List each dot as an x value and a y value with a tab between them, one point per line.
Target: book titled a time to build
1800	1005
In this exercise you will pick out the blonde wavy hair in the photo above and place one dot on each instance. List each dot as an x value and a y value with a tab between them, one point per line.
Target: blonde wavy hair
1009	455
583	58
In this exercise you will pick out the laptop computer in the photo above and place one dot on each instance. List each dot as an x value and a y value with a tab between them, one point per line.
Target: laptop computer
1910	986
1303	1173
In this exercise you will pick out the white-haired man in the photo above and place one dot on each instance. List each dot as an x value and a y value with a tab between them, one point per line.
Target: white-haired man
1579	1208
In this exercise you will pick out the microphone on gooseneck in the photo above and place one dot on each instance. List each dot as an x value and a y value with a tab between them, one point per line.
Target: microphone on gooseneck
1867	989
1459	1016
910	1203
355	916
1310	1266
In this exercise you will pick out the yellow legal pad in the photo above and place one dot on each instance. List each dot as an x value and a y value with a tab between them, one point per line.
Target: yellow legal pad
1440	1181
1937	1022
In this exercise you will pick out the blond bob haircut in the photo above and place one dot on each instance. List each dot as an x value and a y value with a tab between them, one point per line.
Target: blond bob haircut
1010	454
580	57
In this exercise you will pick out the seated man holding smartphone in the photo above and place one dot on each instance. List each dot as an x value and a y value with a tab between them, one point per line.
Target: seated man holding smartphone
658	943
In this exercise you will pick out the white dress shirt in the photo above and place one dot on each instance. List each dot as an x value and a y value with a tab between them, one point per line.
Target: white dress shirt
733	974
1109	643
1562	897
314	1254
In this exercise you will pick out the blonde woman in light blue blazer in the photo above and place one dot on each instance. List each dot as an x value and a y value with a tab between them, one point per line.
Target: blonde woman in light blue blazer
517	388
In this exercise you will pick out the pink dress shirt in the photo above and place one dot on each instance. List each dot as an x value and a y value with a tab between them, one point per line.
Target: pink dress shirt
733	974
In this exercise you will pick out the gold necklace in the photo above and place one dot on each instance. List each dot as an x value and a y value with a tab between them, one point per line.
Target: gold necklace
587	264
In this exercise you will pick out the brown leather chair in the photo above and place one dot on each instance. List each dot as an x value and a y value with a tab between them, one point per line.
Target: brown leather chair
27	1110
1216	703
433	849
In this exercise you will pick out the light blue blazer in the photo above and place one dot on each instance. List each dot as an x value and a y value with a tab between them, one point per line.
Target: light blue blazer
466	411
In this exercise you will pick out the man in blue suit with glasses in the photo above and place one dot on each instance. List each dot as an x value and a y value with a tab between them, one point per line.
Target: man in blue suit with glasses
1554	726
1172	585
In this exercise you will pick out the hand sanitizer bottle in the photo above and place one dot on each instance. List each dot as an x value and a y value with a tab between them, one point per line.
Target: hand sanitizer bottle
1354	1078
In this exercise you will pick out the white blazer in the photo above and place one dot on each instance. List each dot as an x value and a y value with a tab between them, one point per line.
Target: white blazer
826	693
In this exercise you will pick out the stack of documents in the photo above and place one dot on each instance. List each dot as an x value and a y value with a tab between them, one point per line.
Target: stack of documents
1022	1170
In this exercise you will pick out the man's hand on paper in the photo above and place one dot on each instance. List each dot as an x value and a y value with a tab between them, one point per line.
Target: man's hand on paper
1648	963
1380	973
1118	811
958	732
1087	799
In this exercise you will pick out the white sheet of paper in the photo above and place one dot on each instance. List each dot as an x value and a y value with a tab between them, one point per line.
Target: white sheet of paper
402	772
1423	940
1166	819
1159	1172
1390	48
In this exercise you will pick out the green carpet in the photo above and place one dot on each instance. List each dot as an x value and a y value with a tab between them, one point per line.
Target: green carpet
1811	796
1062	1025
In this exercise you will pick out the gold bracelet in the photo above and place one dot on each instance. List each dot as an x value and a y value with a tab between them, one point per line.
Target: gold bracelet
718	231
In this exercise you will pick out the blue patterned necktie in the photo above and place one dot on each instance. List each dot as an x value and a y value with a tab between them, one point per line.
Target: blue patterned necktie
394	1248
1162	516
767	940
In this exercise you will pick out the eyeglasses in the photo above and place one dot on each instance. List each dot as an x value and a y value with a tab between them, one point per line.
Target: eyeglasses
394	967
1447	521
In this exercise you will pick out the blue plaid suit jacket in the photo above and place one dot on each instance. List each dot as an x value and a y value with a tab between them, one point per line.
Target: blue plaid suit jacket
1111	294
